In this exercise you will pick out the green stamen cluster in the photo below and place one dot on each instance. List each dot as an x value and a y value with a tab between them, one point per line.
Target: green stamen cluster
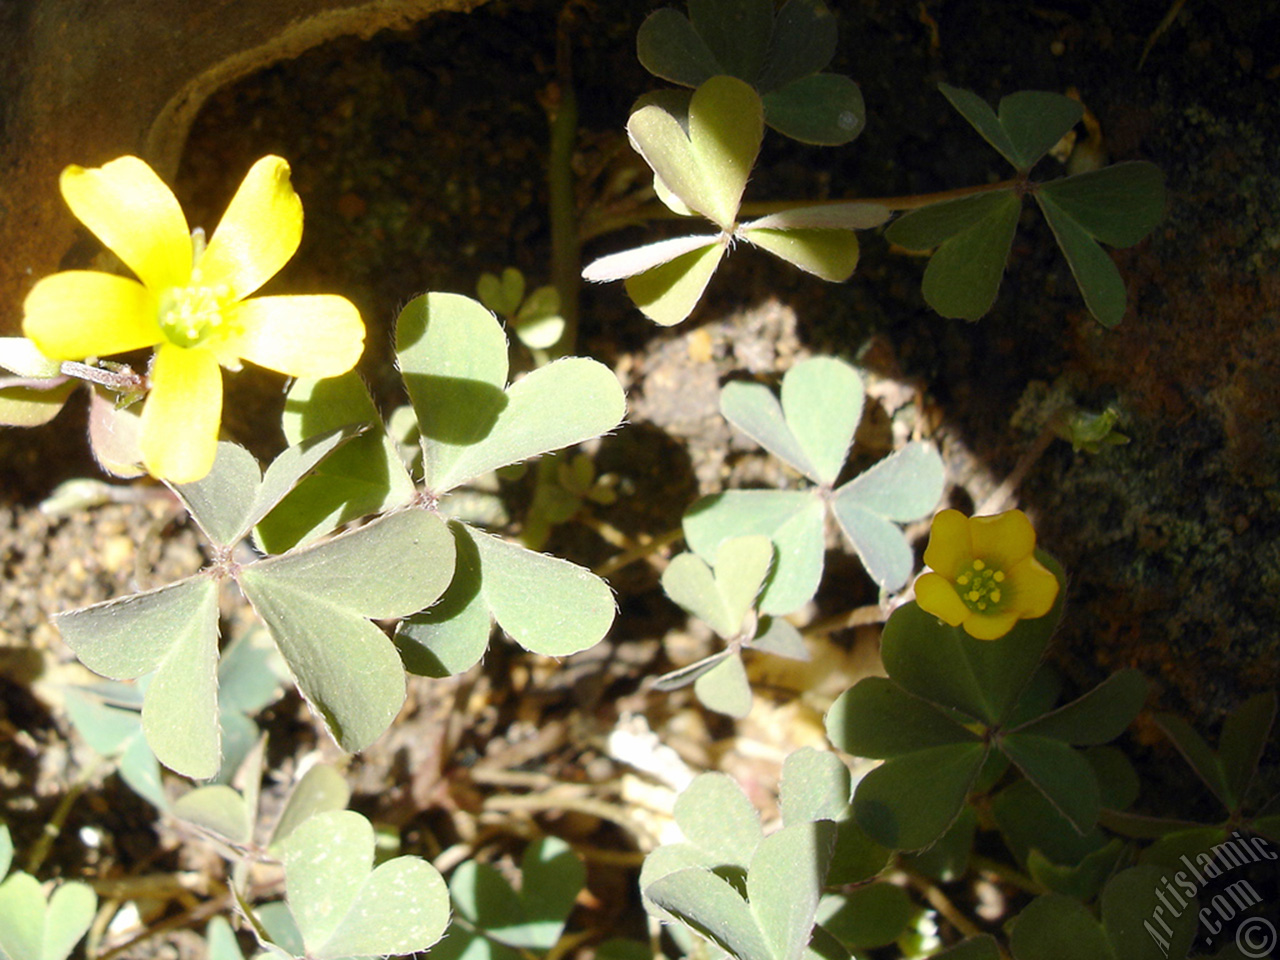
980	586
189	315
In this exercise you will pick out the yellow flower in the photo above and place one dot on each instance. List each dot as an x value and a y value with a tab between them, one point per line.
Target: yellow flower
985	576
190	304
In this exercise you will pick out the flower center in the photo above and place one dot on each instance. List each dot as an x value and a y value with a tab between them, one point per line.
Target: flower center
979	586
190	315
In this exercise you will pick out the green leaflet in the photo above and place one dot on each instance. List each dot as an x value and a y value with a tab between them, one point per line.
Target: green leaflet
345	907
317	603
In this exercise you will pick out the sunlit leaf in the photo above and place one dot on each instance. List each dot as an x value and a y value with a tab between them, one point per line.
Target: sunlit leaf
668	293
792	519
725	688
344	907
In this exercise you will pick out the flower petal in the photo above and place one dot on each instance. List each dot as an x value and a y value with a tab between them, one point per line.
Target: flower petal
82	313
936	595
181	415
981	626
1032	588
949	545
1004	539
259	232
129	208
312	336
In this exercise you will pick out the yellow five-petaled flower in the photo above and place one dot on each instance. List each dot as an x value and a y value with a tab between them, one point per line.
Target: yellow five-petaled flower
191	302
985	576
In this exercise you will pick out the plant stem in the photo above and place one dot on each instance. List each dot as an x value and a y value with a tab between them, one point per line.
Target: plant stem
566	249
659	211
40	849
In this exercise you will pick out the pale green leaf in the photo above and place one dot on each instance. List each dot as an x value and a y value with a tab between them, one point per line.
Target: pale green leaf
667	294
218	809
321	790
222	501
713	909
502	294
127	637
343	909
23	358
686	675
363	476
637	260
724	688
690	583
180	711
816	785
345	667
847	215
548	606
785	882
452	635
792	519
560	404
26	406
822	400
829	255
716	817
707	166
453	357
351	571
754	409
780	638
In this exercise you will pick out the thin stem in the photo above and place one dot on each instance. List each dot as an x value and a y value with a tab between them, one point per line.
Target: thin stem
566	249
659	211
1000	498
940	902
52	829
640	551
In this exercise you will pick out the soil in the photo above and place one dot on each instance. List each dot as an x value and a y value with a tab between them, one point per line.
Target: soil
420	159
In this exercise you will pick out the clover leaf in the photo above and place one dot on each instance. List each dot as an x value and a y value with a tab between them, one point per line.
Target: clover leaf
812	430
701	149
755	897
949	702
971	236
724	596
316	601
